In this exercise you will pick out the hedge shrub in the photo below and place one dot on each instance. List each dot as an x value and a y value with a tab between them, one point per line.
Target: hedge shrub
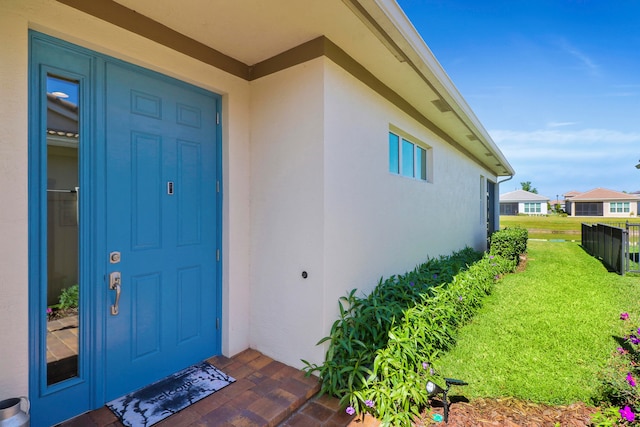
382	349
509	243
364	323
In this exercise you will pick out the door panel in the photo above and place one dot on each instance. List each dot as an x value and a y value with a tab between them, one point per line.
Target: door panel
136	132
161	216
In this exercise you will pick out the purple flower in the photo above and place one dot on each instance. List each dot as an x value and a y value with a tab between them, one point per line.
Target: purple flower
621	350
425	365
49	310
460	298
432	371
350	410
491	257
635	340
496	277
627	414
630	380
369	403
411	284
624	316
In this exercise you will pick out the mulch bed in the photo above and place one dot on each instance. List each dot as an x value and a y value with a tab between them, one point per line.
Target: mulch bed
510	412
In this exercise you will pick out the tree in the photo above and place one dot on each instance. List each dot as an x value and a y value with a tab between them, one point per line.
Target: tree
526	186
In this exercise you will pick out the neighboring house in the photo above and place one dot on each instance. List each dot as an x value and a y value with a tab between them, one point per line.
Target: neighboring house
236	167
570	194
602	202
523	202
557	204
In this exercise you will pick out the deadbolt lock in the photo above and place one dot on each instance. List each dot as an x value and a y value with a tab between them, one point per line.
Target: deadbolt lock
114	257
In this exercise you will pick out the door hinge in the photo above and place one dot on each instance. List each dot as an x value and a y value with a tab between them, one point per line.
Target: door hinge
217	323
217	254
218	186
217	118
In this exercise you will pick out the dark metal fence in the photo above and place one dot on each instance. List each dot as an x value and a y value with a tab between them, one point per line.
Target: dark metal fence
633	248
616	245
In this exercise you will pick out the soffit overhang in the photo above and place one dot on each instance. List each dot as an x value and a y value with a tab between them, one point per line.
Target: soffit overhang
243	37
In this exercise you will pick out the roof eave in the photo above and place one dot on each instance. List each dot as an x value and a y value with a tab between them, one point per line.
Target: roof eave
406	38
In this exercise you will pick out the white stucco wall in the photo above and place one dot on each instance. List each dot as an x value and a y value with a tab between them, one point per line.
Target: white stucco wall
287	213
14	358
377	223
324	202
16	18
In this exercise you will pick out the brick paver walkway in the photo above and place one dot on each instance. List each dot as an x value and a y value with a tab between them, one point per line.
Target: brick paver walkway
62	338
266	393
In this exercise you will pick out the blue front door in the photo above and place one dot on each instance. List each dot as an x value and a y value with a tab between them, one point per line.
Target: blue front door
161	227
124	202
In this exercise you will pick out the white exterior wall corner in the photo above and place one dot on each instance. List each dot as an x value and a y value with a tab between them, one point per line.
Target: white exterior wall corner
287	213
14	358
55	19
379	224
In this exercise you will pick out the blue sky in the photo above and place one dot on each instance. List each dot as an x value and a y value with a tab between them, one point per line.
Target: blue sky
64	89
556	83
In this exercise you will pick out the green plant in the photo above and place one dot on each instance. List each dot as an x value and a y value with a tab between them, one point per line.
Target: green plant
69	298
606	417
509	243
619	379
364	323
403	367
380	346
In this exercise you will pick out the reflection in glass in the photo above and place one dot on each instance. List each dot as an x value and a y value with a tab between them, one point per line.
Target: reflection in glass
62	230
407	158
394	155
421	163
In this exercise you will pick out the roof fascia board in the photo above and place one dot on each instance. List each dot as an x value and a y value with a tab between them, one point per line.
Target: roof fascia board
397	30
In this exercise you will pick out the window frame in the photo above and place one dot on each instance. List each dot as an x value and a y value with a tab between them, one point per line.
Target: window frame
619	207
421	153
537	207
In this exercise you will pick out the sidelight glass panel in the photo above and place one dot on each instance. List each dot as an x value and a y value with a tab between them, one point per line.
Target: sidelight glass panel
62	230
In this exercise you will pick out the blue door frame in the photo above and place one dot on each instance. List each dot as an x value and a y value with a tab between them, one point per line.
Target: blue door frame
89	389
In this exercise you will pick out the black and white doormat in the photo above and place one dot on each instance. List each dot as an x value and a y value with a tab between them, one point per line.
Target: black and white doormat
152	404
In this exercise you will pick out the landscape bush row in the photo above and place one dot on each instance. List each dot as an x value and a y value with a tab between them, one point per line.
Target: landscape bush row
384	347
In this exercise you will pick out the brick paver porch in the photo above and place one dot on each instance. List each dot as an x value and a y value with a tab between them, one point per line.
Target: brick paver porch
266	393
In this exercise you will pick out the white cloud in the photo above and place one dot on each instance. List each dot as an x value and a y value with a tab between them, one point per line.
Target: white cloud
560	124
552	145
559	160
547	136
585	60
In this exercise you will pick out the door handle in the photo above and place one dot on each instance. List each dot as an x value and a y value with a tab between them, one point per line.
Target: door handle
114	284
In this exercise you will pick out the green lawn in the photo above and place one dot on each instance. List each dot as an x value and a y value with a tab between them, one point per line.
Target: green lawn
544	333
556	227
